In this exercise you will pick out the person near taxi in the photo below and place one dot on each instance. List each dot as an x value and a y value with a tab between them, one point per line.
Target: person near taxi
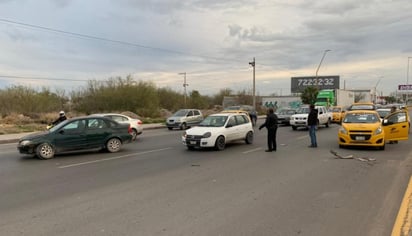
62	117
271	124
393	109
312	123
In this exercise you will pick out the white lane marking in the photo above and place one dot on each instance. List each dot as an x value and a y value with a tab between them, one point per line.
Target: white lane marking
113	158
4	152
8	144
252	150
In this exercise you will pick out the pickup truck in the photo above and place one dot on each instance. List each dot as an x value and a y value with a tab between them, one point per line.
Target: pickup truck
300	119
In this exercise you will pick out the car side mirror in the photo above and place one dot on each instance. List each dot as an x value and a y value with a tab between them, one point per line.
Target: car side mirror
229	125
386	122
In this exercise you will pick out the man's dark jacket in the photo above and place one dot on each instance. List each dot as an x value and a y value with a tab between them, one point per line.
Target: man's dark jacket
271	121
60	119
313	117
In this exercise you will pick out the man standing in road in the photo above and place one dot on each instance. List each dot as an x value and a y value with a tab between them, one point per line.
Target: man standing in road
271	124
312	123
393	110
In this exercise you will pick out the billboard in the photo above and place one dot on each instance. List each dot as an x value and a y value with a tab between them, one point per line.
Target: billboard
405	87
298	84
279	102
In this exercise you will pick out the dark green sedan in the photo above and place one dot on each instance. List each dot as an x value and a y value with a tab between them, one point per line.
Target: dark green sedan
76	134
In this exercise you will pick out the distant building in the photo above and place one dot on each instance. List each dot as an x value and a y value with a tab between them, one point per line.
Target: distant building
364	95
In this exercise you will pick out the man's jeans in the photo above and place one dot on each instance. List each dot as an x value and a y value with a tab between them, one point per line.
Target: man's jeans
312	135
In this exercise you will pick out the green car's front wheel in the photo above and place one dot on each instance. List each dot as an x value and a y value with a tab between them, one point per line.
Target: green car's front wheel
45	151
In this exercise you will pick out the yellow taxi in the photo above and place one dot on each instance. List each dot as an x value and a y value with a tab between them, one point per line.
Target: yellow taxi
365	128
337	114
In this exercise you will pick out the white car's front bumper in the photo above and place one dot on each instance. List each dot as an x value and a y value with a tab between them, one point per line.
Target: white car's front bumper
198	141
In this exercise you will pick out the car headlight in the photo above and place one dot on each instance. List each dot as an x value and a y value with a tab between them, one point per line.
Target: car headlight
184	134
343	131
25	142
378	130
207	135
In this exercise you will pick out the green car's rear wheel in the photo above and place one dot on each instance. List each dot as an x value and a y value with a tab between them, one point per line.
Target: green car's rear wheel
113	145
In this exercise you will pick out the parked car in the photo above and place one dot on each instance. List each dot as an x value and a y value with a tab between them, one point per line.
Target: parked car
82	133
300	119
364	128
284	115
135	124
399	106
383	112
337	114
184	119
249	109
217	130
362	106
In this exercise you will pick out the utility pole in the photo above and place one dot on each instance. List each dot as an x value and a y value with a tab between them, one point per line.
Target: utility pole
407	72
184	86
320	63
253	64
407	81
374	90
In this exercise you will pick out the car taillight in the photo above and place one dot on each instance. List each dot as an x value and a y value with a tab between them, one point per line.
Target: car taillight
139	122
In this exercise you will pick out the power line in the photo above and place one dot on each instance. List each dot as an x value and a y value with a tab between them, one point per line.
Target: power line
40	78
112	40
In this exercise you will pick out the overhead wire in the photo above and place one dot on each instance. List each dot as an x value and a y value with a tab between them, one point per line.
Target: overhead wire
91	37
113	40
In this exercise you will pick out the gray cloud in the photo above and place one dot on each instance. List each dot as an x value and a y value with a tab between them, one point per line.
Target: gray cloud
209	39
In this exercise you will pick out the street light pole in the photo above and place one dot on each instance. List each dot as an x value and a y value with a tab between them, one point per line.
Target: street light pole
320	63
407	72
375	96
407	80
253	64
184	86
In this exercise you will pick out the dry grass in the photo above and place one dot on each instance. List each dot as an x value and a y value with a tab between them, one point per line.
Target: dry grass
14	129
19	123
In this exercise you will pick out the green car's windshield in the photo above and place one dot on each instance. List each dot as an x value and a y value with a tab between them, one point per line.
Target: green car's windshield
58	126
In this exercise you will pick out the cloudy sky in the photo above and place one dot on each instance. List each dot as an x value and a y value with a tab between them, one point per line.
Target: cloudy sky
65	43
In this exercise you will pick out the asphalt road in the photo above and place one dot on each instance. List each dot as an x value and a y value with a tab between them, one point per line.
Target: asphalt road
156	187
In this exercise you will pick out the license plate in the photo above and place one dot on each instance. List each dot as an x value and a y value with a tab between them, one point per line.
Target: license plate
360	138
192	142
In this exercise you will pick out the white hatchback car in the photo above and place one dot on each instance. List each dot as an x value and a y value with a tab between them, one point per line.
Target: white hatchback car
218	129
135	124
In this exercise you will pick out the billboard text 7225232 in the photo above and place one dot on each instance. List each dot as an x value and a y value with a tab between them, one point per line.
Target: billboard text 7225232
298	84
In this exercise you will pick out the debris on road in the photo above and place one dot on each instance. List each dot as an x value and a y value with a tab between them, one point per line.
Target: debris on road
364	159
341	157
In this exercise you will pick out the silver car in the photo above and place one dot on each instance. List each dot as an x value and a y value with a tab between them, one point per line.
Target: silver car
135	124
184	118
284	115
